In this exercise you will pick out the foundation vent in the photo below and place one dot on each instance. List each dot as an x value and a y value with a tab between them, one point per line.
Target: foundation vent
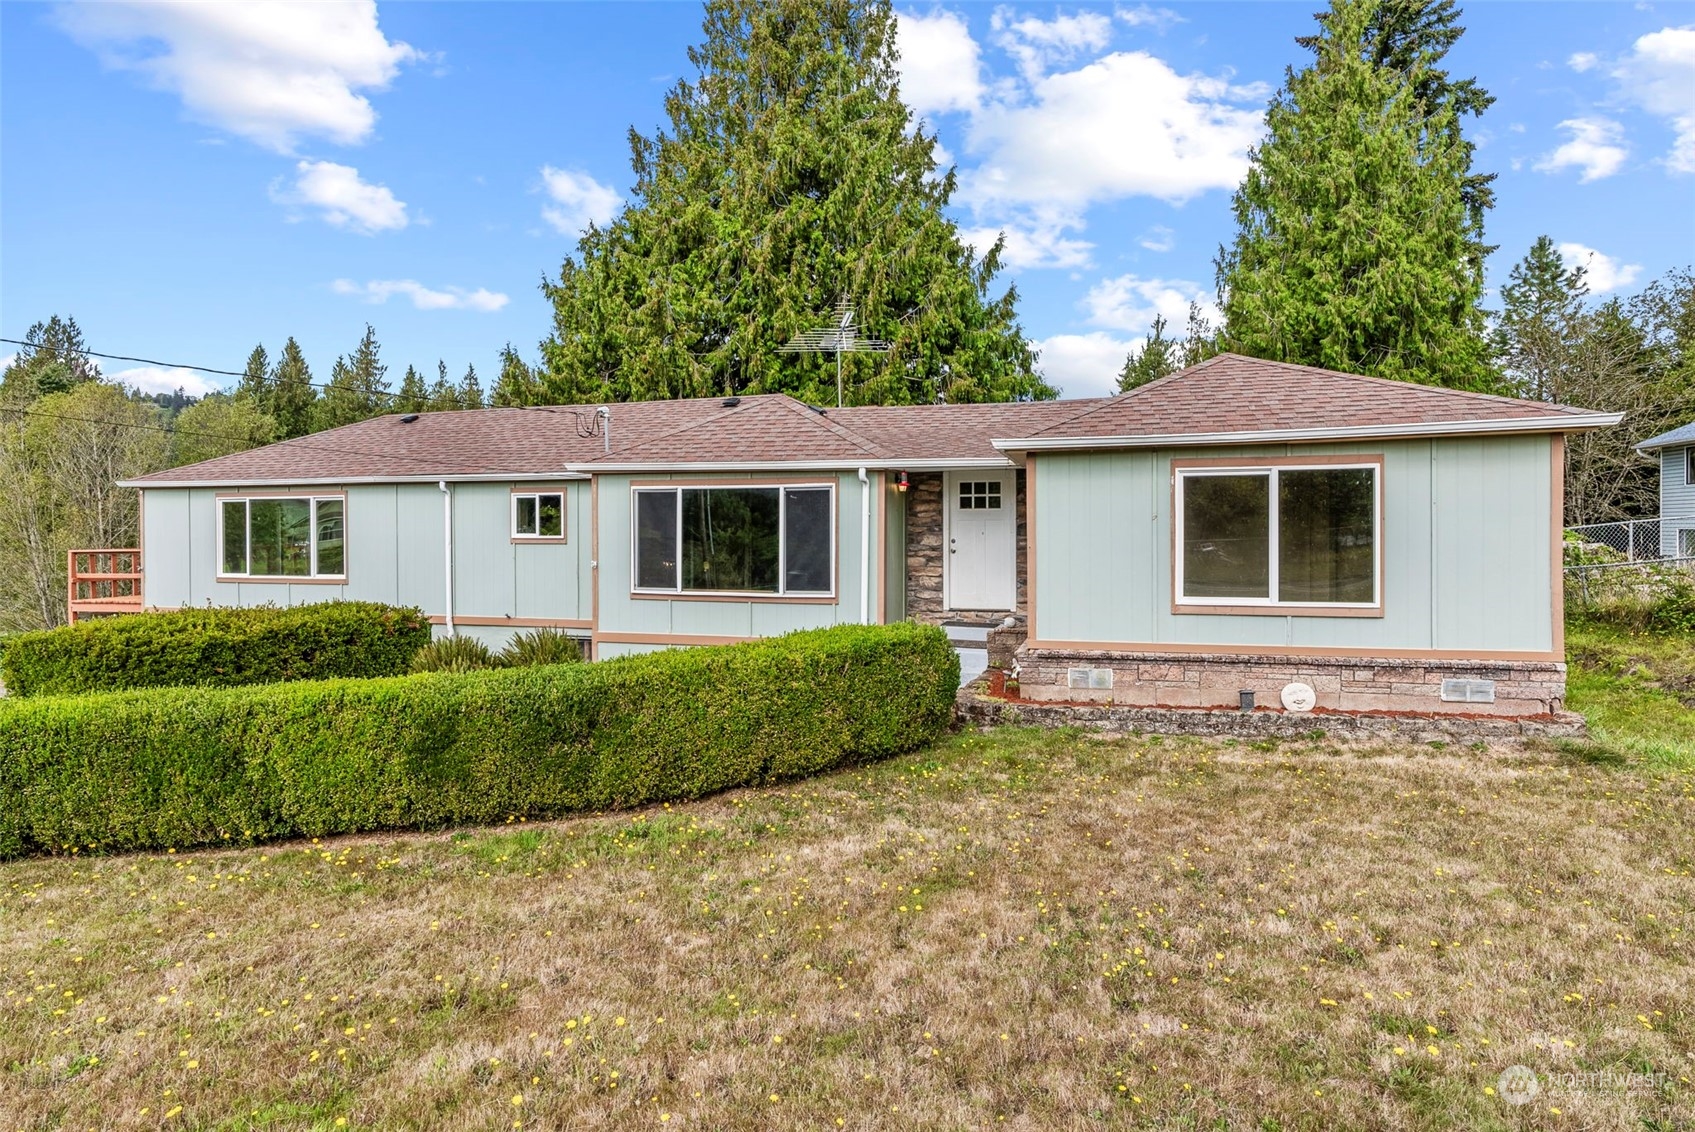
1088	678
1468	691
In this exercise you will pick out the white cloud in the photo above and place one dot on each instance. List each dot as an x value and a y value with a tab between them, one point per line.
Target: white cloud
1143	16
6	361
578	200
165	379
1036	45
1032	241
1596	147
1130	303
940	67
1659	75
1083	365
1582	61
1602	272
342	198
1124	125
424	298
1159	238
270	71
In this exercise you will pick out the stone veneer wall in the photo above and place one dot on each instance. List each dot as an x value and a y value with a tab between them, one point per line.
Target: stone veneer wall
926	553
1349	684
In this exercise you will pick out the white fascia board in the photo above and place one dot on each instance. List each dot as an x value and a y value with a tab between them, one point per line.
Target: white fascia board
336	481
1316	435
795	466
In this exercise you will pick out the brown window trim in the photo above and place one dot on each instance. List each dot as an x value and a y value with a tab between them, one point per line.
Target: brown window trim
1274	609
829	480
539	489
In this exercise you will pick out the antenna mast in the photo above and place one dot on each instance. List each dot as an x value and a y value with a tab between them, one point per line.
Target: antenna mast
838	338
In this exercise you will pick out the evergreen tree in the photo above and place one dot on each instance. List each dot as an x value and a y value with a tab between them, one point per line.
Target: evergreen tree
293	397
1542	322
791	176
412	397
256	377
517	384
442	394
357	389
1155	358
1357	247
470	389
54	361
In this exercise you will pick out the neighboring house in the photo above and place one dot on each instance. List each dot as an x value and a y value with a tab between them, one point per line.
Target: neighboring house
1677	489
1239	525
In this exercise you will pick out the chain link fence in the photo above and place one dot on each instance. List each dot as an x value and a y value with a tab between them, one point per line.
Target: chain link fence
1636	540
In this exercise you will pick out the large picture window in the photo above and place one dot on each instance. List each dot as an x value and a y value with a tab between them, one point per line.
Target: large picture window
1297	536
735	540
292	536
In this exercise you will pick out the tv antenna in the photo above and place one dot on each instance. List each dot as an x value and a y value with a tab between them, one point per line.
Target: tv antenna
838	338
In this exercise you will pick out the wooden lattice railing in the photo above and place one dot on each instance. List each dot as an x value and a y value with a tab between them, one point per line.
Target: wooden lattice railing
103	581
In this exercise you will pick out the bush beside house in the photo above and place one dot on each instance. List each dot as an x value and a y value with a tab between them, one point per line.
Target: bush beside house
196	766
218	647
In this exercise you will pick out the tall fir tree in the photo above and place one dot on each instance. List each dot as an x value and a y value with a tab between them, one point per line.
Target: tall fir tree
443	395
516	385
470	389
54	361
256	377
1358	243
1542	323
791	176
357	389
1150	361
412	396
293	396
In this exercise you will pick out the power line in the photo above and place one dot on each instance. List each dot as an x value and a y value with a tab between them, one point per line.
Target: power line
451	394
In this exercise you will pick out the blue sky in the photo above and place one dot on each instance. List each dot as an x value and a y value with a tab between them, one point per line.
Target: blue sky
191	180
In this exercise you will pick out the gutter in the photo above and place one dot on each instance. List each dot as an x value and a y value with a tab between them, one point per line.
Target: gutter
1422	429
337	481
447	540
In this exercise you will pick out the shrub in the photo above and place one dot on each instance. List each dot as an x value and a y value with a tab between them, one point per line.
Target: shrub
541	646
1642	597
220	647
454	654
200	766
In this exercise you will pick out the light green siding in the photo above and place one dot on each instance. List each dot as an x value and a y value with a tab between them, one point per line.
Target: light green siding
395	554
1466	537
623	613
894	556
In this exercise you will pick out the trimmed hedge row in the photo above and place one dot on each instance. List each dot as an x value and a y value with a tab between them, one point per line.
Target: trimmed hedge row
218	647
200	766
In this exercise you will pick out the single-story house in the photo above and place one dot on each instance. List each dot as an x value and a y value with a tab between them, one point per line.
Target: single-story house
1241	525
1676	451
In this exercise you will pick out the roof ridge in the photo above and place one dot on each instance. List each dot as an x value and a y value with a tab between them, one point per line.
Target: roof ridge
643	442
822	416
1469	394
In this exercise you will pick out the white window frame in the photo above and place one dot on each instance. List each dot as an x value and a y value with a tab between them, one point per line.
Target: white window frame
1272	472
519	536
782	540
247	538
1689	465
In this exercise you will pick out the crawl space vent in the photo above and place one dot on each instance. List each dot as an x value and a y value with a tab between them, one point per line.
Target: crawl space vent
1088	677
1468	691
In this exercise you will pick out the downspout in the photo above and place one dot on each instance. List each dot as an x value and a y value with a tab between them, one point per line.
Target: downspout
864	548
447	541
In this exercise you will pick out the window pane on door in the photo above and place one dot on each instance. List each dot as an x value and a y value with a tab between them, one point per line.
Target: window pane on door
329	536
235	536
656	540
1326	530
730	539
806	535
1227	536
280	539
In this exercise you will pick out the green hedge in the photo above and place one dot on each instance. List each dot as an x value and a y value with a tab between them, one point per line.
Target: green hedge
218	647
198	766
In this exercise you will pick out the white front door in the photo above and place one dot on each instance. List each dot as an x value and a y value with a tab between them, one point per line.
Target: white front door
982	537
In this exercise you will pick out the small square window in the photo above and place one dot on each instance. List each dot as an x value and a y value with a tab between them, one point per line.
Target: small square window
980	495
538	515
1686	543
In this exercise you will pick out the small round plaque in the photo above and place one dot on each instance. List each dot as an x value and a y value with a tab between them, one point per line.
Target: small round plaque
1299	697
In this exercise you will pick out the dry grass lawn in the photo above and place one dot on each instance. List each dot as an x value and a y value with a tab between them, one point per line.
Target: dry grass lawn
1018	930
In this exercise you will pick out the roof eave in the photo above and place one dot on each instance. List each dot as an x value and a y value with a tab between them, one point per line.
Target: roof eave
335	481
879	464
1562	423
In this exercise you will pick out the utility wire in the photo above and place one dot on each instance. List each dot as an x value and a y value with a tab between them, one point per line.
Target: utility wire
452	395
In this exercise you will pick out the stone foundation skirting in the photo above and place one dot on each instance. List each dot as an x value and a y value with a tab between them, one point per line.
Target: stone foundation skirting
976	708
1341	684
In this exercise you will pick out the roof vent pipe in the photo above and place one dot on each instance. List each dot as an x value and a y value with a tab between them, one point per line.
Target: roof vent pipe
604	412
